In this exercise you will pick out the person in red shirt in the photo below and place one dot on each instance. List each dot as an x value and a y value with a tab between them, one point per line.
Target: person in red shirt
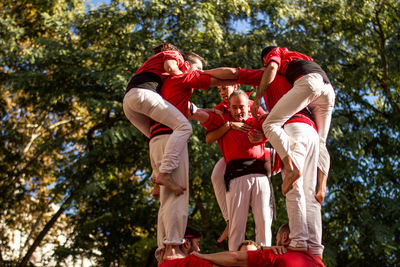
302	201
217	175
277	256
245	176
312	89
192	240
173	211
142	103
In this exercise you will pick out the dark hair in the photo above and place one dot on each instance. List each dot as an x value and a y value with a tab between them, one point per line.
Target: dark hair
164	47
284	228
238	92
191	57
191	233
265	52
249	243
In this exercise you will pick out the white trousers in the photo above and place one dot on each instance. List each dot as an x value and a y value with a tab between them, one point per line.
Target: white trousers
304	211
249	190
309	90
142	104
218	182
173	212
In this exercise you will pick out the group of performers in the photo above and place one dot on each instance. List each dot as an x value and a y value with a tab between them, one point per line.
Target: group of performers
299	98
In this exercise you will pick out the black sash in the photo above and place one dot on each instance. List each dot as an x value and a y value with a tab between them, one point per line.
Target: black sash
300	67
146	80
239	167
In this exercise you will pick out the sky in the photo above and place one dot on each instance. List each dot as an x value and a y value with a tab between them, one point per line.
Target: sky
240	26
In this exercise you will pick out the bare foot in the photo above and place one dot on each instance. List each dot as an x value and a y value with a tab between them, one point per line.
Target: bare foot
166	180
173	252
224	234
292	173
156	191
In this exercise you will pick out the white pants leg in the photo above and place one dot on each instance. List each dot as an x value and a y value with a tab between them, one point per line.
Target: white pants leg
304	211
142	104
218	182
173	211
309	90
262	209
241	192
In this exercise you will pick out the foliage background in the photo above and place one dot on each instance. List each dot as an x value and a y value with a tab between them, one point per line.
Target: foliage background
72	166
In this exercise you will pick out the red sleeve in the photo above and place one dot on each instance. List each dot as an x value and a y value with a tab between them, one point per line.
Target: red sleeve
249	76
214	122
260	258
193	261
298	259
275	55
188	261
174	55
197	80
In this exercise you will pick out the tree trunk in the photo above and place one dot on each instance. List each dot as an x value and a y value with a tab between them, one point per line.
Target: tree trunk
49	225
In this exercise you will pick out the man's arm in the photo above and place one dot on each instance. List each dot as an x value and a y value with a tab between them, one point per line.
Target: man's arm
267	78
223	73
213	136
256	136
236	258
219	82
171	66
195	113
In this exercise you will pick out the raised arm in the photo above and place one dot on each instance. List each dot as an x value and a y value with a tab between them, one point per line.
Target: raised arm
223	73
236	258
171	66
267	78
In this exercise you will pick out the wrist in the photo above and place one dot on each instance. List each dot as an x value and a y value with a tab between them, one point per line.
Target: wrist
228	124
191	108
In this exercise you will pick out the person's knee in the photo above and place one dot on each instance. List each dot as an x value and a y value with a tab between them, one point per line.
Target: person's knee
186	127
269	127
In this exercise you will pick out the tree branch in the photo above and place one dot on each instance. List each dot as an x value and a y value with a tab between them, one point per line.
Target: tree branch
385	81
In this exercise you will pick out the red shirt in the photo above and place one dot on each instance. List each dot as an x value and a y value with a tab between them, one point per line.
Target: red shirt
188	261
155	64
266	258
235	144
279	87
177	90
283	56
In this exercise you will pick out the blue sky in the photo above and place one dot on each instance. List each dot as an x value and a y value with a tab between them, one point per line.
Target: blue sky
240	26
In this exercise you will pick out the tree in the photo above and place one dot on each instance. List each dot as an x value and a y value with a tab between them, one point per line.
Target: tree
66	142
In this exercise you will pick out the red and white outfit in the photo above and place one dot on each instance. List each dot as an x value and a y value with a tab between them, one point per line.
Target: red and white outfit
217	175
244	187
173	211
312	89
142	103
267	258
304	211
